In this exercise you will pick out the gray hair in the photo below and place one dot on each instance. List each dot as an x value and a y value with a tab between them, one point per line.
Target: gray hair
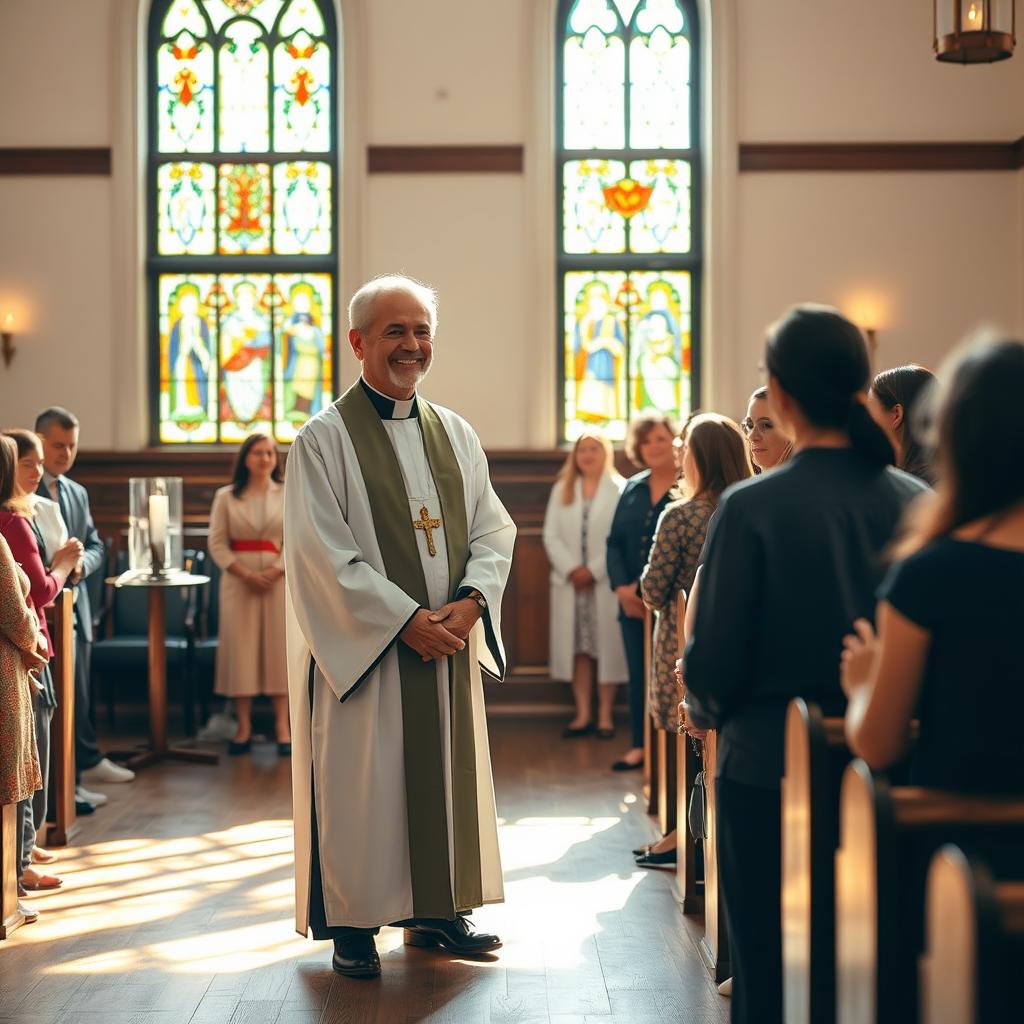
58	415
361	308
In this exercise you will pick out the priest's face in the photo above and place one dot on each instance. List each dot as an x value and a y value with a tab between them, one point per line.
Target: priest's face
397	349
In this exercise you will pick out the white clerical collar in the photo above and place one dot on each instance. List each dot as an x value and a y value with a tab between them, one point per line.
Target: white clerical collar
390	408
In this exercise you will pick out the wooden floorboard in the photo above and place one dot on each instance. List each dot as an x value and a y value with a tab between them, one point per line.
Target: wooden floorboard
177	909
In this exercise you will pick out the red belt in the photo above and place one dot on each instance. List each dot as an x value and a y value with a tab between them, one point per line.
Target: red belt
255	545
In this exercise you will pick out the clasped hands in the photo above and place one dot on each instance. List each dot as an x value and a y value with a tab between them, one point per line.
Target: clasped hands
440	634
632	603
262	580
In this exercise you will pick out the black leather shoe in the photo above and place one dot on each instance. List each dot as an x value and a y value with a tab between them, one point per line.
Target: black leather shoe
356	957
83	807
235	749
569	733
650	859
455	936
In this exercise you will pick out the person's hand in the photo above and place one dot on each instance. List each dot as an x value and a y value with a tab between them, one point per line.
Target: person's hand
631	602
431	640
33	660
860	649
459	617
687	726
581	578
258	582
68	556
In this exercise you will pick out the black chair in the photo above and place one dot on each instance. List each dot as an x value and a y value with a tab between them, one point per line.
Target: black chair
207	621
124	653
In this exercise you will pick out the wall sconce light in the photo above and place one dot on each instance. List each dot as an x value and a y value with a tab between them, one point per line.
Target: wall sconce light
7	339
871	333
974	31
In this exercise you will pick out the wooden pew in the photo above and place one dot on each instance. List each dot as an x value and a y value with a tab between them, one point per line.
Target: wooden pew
816	755
688	764
887	835
650	733
974	928
714	946
62	824
10	916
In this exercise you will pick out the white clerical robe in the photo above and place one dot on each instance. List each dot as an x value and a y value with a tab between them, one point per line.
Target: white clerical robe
345	615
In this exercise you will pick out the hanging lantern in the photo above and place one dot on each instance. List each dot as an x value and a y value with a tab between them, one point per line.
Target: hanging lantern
975	31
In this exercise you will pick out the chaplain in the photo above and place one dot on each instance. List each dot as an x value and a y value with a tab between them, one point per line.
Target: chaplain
397	551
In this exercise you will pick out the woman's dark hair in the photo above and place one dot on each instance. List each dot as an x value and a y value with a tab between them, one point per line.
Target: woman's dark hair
240	471
903	386
8	474
978	435
640	428
821	360
720	452
25	440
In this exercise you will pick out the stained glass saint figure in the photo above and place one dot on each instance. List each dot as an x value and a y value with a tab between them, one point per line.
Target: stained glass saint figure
304	347
190	357
599	349
245	356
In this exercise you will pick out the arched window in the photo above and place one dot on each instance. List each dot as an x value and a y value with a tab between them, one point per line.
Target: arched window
629	226
242	234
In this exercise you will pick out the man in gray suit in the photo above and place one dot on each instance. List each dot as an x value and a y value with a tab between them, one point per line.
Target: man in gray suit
58	430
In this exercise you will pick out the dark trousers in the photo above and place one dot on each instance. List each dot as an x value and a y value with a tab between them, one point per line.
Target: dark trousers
633	640
32	811
750	869
87	751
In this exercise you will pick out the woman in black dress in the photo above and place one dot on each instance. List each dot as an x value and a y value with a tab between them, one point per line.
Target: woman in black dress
936	657
793	556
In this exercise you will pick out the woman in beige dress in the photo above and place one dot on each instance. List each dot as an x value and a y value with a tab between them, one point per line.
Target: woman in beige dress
246	538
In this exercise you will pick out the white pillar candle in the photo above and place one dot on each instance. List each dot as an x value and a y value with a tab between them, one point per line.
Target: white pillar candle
159	512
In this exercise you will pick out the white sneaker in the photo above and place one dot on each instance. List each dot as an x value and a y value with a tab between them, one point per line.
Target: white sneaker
725	989
87	796
107	771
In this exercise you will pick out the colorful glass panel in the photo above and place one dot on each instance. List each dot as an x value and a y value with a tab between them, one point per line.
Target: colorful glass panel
188	365
244	70
302	94
244	209
663	224
305	348
302	16
302	208
659	74
589	225
659	341
185	209
185	94
265	11
246	354
594	87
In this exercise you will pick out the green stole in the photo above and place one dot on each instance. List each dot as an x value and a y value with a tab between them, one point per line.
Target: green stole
421	718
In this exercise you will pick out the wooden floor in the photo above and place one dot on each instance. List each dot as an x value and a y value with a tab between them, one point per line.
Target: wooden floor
177	909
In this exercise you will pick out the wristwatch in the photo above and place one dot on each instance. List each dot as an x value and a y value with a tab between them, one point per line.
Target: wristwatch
475	595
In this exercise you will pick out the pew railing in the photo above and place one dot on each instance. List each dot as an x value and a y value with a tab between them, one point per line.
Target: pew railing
688	764
887	835
650	787
816	754
62	825
714	945
974	942
10	915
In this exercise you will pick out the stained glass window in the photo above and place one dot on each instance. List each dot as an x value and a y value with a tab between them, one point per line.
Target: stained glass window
629	241
243	225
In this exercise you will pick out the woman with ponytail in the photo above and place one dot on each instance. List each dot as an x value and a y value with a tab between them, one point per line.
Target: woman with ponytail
793	557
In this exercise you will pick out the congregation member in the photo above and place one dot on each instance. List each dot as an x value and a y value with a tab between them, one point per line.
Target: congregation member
712	456
651	445
585	641
397	553
246	541
17	529
950	610
793	557
59	432
21	653
769	447
893	400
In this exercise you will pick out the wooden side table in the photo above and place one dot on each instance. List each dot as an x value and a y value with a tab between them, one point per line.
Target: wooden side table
159	750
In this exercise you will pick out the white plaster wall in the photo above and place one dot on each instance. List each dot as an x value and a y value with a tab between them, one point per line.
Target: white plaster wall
936	252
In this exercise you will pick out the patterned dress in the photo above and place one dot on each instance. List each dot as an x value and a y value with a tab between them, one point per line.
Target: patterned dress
19	631
670	569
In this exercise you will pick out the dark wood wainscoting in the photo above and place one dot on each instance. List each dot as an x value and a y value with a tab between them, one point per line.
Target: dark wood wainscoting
522	480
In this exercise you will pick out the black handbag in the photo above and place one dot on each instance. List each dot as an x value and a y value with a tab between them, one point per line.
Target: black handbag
697	808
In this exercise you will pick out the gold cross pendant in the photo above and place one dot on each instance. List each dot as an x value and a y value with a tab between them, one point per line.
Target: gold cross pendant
428	526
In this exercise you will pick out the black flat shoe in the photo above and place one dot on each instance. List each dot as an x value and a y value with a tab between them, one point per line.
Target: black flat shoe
606	734
235	749
82	807
641	850
454	936
569	733
657	860
356	957
627	766
284	750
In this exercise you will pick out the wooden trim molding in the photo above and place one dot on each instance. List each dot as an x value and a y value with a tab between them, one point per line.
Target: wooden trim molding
444	159
881	156
58	160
